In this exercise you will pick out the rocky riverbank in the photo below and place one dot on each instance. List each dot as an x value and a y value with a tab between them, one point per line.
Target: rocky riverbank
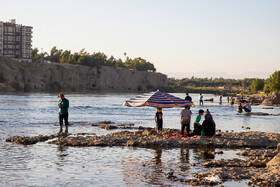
261	167
149	138
271	100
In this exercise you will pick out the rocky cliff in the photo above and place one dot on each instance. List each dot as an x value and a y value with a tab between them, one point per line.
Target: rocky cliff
26	76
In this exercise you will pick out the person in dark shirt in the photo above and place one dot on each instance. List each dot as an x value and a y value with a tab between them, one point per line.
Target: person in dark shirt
159	120
63	106
209	124
188	98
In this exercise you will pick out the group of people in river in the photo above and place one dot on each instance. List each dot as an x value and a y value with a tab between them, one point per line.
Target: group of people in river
207	128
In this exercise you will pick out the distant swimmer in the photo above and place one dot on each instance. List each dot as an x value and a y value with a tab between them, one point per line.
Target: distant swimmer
200	99
188	98
239	108
231	101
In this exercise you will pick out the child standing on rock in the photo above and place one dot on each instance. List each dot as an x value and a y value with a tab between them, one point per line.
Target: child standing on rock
158	120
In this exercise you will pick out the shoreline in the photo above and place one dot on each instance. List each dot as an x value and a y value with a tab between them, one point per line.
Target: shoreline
261	166
148	138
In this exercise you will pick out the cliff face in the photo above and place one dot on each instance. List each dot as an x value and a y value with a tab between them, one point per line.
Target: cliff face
25	76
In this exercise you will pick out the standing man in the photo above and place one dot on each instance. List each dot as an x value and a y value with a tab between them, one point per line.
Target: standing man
63	106
185	120
201	99
188	98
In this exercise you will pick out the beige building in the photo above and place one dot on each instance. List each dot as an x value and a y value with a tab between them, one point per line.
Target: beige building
15	40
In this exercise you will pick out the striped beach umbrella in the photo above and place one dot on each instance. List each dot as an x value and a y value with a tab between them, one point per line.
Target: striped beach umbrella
157	99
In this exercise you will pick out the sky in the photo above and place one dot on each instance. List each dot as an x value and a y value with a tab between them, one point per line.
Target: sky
182	38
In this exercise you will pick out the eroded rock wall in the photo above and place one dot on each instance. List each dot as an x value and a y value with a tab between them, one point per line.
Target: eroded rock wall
26	76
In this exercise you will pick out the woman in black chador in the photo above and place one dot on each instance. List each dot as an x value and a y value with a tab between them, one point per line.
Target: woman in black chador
209	125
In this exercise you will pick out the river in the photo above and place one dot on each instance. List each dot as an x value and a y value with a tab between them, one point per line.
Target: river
44	164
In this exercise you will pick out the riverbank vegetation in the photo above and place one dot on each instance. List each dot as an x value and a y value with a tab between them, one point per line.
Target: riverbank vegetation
95	59
225	86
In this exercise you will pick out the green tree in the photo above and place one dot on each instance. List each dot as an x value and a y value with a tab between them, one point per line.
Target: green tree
54	54
266	89
274	81
35	54
257	85
65	57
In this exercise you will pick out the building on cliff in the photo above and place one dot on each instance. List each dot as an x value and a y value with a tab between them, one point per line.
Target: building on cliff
15	40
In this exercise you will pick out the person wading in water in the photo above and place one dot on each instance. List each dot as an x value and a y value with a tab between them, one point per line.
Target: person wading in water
63	105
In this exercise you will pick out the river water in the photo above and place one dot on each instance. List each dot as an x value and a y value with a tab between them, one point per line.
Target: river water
43	164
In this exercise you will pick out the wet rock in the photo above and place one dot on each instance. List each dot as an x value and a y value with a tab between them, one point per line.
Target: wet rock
267	108
27	140
84	133
256	114
102	123
275	97
234	162
219	152
108	127
255	170
275	162
196	182
268	102
151	139
255	100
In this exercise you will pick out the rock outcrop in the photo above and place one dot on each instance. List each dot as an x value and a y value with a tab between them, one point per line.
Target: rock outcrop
26	76
275	162
149	138
252	168
274	99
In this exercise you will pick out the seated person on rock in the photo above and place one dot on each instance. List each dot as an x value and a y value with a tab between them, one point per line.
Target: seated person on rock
197	125
209	125
247	107
240	108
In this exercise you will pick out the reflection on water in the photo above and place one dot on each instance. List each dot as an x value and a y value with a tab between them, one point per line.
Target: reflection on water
43	164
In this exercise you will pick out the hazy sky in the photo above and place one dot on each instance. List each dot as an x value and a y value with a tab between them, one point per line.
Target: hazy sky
235	38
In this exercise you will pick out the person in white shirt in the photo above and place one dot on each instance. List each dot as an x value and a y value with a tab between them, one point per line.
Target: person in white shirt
247	107
201	99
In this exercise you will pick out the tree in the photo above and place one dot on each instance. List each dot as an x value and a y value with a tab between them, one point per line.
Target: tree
274	81
54	54
266	89
34	54
257	85
95	59
65	57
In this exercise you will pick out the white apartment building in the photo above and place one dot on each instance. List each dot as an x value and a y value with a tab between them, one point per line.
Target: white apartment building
15	40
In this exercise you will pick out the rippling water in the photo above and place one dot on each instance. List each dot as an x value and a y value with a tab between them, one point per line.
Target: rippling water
50	165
